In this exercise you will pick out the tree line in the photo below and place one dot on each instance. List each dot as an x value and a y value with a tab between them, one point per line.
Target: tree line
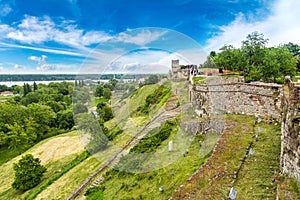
38	112
256	61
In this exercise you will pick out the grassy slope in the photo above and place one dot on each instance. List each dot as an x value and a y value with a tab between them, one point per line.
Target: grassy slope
254	181
145	185
256	178
55	153
87	167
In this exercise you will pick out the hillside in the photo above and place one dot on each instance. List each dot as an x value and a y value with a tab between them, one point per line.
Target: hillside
55	153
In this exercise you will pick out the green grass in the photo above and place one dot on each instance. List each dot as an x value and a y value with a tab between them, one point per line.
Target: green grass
256	178
288	188
8	154
55	153
198	78
122	185
63	169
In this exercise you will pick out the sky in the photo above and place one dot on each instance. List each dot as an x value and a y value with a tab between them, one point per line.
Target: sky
103	36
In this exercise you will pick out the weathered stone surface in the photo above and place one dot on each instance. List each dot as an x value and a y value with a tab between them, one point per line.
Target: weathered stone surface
290	130
235	96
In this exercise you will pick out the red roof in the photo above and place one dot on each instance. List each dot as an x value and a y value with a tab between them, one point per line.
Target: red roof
6	93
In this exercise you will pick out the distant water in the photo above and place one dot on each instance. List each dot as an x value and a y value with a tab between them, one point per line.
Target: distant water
20	83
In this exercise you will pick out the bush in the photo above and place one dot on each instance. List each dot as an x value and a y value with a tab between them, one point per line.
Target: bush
28	172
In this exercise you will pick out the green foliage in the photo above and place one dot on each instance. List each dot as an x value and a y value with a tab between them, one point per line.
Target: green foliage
79	108
155	98
22	126
26	89
93	131
230	58
209	63
28	172
151	143
65	119
152	79
107	93
278	62
112	134
105	112
99	90
257	62
95	193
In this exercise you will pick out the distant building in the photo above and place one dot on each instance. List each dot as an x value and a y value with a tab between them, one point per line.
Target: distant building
183	71
6	93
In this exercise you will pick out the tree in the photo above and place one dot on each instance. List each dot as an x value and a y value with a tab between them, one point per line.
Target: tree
26	89
91	130
35	87
79	108
99	90
65	119
253	48
230	58
152	79
209	63
295	50
28	172
106	93
278	63
105	112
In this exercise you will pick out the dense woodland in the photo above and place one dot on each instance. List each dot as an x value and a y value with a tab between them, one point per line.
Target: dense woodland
37	112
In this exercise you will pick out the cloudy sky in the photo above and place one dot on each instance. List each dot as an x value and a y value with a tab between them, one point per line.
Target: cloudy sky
73	36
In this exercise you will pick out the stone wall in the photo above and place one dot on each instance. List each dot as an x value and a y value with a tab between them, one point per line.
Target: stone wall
233	95
290	129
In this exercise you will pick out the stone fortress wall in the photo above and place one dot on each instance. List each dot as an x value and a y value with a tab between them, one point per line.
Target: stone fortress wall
233	95
268	100
290	130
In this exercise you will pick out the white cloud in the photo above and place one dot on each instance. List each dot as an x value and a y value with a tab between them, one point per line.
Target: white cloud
1	68
42	64
55	51
17	66
281	26
35	30
139	36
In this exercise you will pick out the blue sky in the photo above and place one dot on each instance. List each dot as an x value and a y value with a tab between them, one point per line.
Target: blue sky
72	36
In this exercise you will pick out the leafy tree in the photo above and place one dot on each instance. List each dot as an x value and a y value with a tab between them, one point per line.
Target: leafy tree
43	116
28	172
113	82
278	63
35	87
79	108
100	105
65	119
91	129
29	98
105	113
295	50
26	89
209	63
99	90
230	58
106	93
152	79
